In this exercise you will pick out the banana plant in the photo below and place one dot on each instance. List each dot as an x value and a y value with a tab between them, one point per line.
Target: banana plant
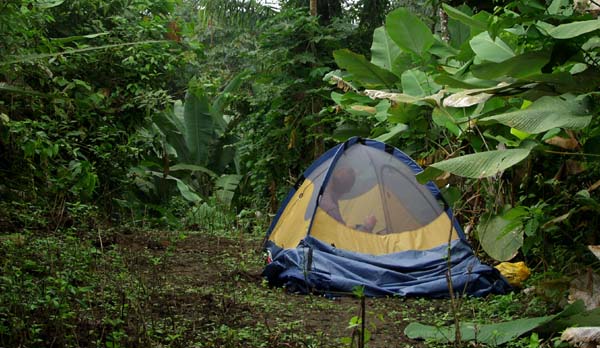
197	149
506	83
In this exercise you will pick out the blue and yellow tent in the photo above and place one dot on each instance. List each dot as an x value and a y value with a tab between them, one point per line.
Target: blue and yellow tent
358	216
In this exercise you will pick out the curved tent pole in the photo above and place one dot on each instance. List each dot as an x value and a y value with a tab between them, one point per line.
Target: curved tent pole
336	156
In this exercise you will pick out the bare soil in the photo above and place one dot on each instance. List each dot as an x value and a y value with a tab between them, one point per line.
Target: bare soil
212	284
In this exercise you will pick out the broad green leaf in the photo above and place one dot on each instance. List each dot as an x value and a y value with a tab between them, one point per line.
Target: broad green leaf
442	49
187	192
173	130
384	50
493	50
490	334
464	18
521	66
397	129
467	81
226	186
569	30
500	237
199	126
497	334
363	71
544	114
408	31
482	164
442	118
460	33
382	110
417	83
218	104
429	174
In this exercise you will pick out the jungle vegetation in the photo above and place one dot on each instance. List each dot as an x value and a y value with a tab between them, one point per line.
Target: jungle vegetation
196	116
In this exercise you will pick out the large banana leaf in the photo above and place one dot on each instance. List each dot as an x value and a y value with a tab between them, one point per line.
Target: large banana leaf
544	114
493	50
477	165
218	106
186	191
464	18
363	71
199	126
173	130
521	66
569	30
418	84
408	31
384	50
496	334
501	238
226	186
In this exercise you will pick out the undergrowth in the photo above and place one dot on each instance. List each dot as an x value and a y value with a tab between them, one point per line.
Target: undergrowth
201	287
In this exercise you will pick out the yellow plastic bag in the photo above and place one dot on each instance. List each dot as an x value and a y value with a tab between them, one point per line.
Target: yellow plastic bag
514	272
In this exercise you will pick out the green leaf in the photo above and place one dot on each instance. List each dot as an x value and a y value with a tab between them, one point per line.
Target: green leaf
199	126
18	90
226	186
218	104
441	117
63	40
397	129
384	50
433	99
569	30
544	114
408	31
489	334
464	18
46	4
173	130
192	168
429	174
349	130
500	237
363	71
493	50
521	66
417	83
187	192
498	333
32	57
482	164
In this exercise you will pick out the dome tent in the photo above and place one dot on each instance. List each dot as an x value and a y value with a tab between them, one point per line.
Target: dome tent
357	216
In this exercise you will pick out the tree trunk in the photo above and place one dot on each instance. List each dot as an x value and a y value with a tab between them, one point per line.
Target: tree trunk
313	7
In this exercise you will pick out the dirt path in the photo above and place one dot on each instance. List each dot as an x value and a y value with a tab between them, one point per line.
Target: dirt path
211	288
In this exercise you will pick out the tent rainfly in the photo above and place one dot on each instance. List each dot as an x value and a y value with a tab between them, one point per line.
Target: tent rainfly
358	217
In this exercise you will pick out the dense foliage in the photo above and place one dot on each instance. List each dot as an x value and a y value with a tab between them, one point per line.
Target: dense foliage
199	115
